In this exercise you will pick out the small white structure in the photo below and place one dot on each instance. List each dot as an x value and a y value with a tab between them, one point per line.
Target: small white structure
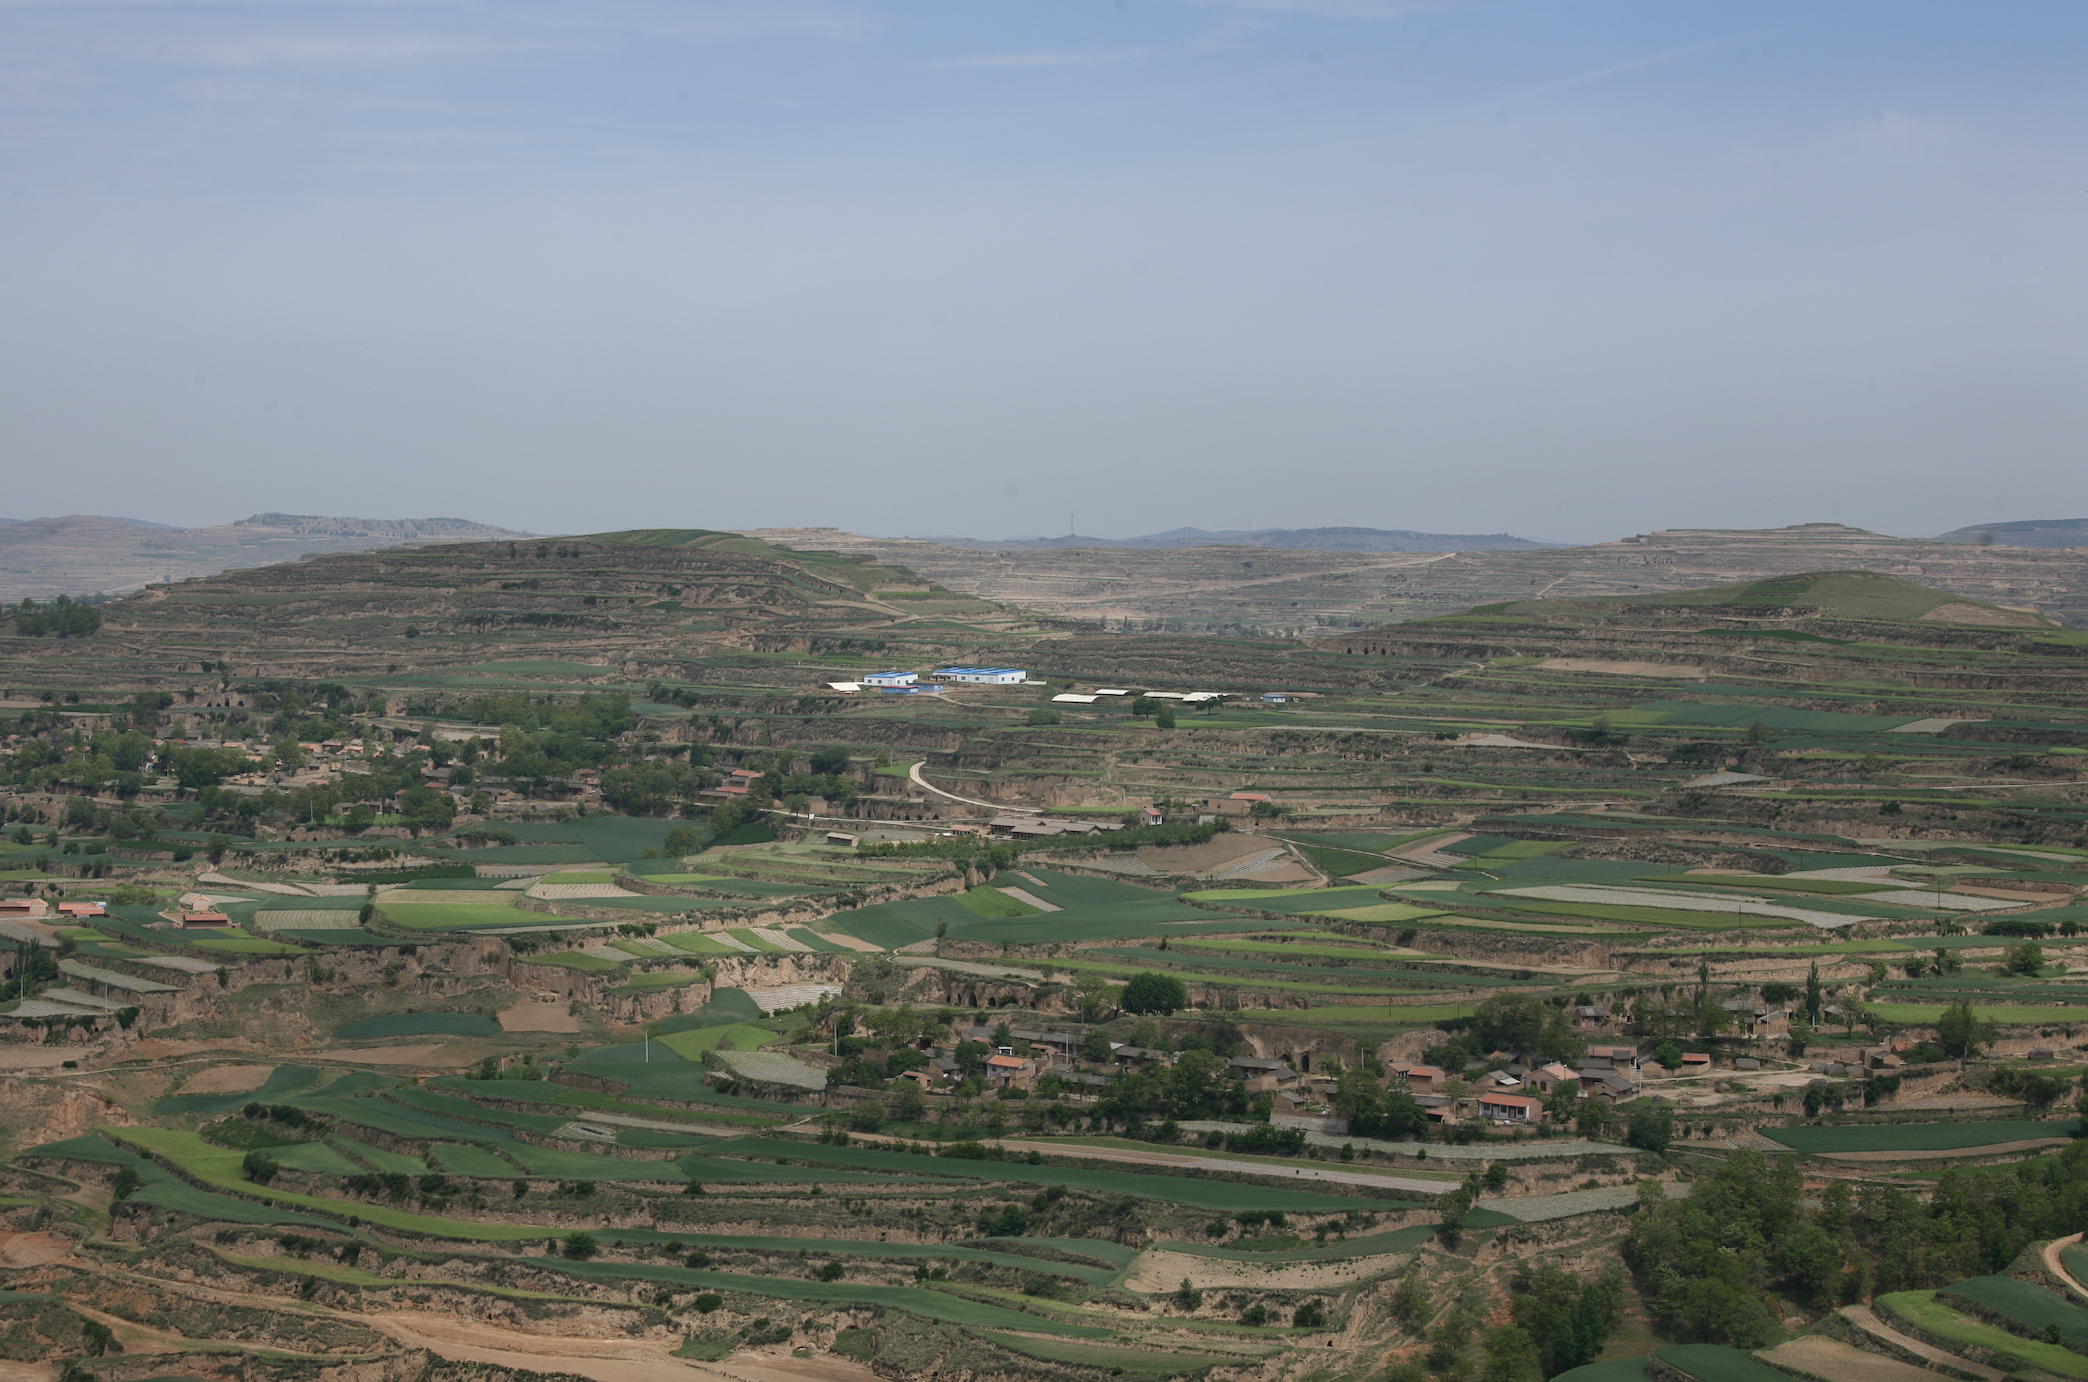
984	676
1074	698
891	679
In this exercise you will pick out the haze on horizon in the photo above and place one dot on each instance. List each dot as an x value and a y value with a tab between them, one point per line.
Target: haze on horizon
1567	270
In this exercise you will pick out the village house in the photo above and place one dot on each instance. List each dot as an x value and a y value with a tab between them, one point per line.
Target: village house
1423	1079
1234	804
1005	1071
1546	1079
1263	1076
1511	1108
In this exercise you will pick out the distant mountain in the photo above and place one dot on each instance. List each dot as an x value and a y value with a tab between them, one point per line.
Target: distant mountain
84	554
2034	532
1294	539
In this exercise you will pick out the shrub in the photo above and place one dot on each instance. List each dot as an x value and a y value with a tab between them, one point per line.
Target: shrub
258	1167
579	1246
708	1301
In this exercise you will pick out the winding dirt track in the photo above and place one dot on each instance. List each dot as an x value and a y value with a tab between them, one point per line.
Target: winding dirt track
2057	1267
1866	1319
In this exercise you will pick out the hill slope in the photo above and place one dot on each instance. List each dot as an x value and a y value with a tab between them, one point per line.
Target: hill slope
2035	532
83	555
1296	539
1223	589
612	605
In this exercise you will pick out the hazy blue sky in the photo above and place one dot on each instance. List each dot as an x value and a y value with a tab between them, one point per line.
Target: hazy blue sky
1566	268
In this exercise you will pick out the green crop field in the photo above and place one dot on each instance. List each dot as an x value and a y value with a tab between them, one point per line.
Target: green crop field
1213	1194
737	1037
2028	1305
419	1024
916	1300
1716	1363
1615	1370
316	1157
1341	863
2006	1015
461	916
988	902
1917	1137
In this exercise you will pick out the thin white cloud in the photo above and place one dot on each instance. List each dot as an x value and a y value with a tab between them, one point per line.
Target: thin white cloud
1329	9
244	51
1063	57
1604	73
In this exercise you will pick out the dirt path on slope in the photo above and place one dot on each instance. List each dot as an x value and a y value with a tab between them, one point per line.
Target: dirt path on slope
1866	1319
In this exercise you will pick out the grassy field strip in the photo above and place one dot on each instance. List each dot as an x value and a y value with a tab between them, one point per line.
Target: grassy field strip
1673	901
2008	1015
1930	1315
1214	1194
1340	977
1125	971
220	1167
1094	1276
917	1300
2029	1305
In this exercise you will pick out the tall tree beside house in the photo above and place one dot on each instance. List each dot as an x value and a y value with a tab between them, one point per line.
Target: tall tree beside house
1812	995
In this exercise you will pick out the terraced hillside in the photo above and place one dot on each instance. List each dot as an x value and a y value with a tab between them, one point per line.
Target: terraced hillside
1668	986
1225	589
614	605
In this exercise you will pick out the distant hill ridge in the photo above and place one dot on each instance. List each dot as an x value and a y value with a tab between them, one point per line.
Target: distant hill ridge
1867	595
2033	532
1293	539
87	554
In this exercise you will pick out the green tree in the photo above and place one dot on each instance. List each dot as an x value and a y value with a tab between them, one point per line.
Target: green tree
424	808
2027	959
1650	1129
1960	1032
1164	717
1151	991
258	1167
1566	1319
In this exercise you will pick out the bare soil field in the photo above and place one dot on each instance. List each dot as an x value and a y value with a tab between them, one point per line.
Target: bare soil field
1220	851
33	1249
1815	1355
539	1017
36	1057
1159	1271
227	1079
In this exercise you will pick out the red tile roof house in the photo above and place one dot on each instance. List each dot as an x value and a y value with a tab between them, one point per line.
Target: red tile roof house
1515	1108
1425	1079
